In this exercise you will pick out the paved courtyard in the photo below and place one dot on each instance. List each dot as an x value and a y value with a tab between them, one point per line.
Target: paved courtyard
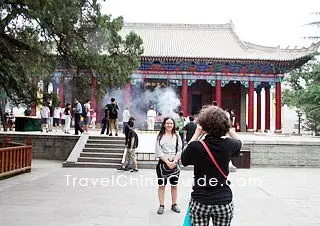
52	195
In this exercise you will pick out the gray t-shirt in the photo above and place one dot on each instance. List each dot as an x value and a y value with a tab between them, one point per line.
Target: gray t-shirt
167	146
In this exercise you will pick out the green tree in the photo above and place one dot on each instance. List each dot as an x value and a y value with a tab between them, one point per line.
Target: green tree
304	93
36	37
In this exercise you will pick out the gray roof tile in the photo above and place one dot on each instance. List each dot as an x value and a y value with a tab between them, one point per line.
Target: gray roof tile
217	41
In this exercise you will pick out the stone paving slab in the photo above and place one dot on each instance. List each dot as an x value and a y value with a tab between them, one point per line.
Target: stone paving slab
43	197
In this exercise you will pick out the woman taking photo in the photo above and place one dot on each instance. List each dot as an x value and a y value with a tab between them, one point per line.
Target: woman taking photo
168	150
211	196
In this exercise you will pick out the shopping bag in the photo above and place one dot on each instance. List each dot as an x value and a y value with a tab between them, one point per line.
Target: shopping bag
187	218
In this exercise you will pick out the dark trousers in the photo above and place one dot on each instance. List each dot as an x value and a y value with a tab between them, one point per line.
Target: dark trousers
77	126
105	125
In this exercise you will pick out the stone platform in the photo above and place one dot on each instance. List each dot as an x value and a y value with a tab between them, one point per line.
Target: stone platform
267	150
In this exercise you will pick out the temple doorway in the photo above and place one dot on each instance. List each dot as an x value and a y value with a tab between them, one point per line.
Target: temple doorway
196	104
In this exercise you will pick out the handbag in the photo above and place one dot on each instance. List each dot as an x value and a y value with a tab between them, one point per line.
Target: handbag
165	171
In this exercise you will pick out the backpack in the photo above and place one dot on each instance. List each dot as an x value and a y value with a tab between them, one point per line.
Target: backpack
113	110
84	111
136	139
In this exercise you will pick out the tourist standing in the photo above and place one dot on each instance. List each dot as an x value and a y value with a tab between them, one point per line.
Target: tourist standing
50	122
105	120
190	129
180	125
77	116
211	196
168	150
113	117
125	118
131	144
86	117
67	116
56	117
45	114
151	115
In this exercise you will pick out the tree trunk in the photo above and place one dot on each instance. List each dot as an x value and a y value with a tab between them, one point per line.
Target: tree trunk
3	119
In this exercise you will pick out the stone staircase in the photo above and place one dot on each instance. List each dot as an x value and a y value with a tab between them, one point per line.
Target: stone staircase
105	152
101	152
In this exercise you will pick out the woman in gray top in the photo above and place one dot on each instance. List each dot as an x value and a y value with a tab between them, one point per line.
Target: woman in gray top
168	150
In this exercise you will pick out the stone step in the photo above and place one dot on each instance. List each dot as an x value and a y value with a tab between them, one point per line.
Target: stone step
104	150
97	141
106	146
105	137
101	155
100	160
91	165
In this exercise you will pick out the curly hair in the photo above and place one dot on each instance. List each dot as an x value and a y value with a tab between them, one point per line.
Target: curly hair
214	121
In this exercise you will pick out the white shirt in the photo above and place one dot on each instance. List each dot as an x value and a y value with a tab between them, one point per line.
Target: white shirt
45	112
56	112
88	107
63	116
125	115
151	113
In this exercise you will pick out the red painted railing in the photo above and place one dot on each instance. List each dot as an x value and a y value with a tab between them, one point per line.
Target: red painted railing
14	158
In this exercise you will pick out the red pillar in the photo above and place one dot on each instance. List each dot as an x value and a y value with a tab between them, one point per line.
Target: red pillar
61	91
127	93
218	92
250	106
259	111
184	95
267	109
278	107
93	93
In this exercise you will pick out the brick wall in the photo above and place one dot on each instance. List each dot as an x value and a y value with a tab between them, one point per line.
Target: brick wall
53	147
284	154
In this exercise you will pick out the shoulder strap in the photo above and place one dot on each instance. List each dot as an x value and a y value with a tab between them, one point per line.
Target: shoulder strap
213	159
177	143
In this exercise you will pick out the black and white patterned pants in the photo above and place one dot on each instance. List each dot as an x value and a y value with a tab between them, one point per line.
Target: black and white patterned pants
200	214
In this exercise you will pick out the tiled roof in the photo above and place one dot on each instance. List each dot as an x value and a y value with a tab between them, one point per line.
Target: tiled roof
216	41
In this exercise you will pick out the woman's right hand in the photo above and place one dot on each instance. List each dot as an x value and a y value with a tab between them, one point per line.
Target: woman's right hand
171	165
199	131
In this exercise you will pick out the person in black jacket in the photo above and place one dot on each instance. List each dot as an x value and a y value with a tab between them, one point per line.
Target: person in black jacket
113	116
105	120
211	196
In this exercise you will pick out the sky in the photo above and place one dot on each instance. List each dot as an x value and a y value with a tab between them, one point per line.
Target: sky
270	23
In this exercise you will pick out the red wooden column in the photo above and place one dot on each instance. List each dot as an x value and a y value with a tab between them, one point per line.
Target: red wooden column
278	107
218	92
61	91
128	93
259	110
184	96
93	93
250	106
267	109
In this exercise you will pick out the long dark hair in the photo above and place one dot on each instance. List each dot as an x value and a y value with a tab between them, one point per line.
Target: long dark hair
163	129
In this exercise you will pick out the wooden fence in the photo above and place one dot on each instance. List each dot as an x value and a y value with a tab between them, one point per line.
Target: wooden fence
14	158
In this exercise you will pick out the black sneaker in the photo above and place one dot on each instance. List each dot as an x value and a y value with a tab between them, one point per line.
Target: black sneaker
175	208
134	170
110	134
160	210
116	134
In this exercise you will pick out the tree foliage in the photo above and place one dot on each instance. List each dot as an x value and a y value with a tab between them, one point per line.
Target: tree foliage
37	37
304	93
